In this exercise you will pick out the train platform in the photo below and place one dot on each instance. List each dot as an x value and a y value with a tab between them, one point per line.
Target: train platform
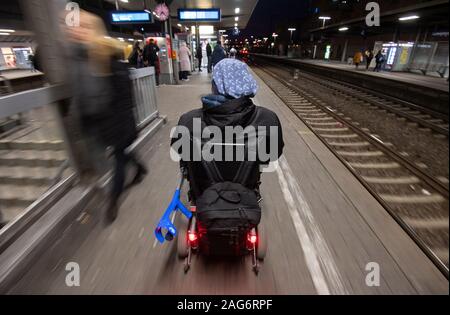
428	81
326	231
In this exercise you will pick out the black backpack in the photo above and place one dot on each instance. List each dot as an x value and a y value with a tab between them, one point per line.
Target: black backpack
228	206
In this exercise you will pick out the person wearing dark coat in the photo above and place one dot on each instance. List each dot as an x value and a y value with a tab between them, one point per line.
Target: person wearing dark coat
369	57
218	54
133	58
151	58
199	56
230	104
102	100
121	132
209	55
107	119
379	59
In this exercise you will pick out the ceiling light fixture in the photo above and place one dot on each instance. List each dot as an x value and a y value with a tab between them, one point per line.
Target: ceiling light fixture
408	18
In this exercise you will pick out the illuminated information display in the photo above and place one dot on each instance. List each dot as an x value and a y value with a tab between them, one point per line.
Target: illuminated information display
199	15
131	17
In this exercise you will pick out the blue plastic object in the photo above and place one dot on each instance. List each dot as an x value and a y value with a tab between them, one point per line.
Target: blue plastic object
166	224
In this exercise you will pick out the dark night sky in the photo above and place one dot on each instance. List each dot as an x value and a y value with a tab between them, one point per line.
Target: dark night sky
269	13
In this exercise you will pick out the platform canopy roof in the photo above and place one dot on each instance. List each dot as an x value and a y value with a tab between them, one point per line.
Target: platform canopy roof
227	7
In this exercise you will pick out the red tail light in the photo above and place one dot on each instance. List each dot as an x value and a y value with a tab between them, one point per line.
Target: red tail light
192	236
252	238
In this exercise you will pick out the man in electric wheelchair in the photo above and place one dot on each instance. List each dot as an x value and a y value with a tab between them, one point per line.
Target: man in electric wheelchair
229	140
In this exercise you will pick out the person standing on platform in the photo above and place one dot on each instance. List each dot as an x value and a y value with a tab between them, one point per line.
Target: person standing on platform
151	58
31	62
140	59
369	58
199	56
133	58
209	55
233	53
379	59
218	54
185	61
357	59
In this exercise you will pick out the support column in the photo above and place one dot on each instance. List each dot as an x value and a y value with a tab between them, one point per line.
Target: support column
344	52
395	37
175	67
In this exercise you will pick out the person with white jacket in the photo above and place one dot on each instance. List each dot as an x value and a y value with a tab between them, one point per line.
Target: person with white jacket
185	61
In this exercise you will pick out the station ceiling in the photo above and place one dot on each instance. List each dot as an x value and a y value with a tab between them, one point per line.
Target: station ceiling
227	6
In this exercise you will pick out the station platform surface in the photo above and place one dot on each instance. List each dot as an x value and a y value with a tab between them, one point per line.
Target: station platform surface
324	229
433	82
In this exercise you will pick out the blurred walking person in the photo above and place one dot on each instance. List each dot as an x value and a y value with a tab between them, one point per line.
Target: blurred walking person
185	61
120	131
103	95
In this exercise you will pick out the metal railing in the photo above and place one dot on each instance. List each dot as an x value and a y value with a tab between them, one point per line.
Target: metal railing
144	92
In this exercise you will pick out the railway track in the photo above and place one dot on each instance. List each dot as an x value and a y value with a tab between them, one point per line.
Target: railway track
424	117
416	200
426	148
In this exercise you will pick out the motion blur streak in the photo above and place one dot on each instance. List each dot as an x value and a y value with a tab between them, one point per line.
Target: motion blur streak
318	257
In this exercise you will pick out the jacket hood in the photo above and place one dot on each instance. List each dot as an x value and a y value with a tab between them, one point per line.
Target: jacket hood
221	111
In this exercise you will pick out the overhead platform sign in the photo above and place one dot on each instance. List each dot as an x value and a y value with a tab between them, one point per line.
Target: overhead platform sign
131	17
199	15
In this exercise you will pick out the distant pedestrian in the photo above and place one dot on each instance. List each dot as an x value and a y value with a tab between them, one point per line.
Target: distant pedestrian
218	54
151	58
209	55
233	53
185	61
369	58
379	59
140	59
199	56
133	58
357	59
31	61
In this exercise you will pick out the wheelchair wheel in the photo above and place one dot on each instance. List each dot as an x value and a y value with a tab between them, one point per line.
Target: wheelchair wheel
261	250
182	241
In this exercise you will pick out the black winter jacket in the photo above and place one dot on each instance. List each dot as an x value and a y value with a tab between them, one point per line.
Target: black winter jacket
221	112
218	55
